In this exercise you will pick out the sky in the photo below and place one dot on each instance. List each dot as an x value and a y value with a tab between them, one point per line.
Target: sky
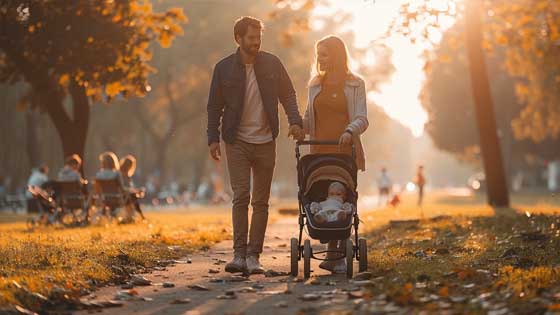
370	20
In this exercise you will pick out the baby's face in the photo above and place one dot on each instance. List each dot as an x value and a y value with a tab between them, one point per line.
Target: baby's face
337	192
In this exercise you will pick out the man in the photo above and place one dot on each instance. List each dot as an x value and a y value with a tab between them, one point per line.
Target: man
244	93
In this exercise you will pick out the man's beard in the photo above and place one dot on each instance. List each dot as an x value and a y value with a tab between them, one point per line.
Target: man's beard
251	50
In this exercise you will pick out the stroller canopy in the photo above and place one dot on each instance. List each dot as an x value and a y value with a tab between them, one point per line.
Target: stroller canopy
332	173
314	168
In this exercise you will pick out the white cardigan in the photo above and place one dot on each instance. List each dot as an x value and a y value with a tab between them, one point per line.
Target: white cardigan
355	92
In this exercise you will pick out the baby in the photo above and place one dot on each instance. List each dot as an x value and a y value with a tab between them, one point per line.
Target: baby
334	208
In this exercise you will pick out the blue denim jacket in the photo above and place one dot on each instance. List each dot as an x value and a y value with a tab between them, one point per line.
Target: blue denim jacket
227	93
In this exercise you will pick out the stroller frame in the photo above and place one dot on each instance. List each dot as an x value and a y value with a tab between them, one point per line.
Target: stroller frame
356	249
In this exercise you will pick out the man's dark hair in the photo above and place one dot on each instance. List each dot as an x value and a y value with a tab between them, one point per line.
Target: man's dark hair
73	160
242	25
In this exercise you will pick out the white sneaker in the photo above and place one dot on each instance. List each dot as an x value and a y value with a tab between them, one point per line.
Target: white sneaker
237	264
253	265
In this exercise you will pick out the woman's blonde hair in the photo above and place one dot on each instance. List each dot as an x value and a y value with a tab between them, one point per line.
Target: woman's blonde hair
109	160
338	56
128	165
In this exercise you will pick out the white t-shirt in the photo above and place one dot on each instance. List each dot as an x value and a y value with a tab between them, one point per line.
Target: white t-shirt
254	126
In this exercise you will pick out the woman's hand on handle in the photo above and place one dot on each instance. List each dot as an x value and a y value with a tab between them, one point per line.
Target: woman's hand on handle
345	139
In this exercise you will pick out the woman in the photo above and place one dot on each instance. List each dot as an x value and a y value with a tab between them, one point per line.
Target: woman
109	167
127	169
336	109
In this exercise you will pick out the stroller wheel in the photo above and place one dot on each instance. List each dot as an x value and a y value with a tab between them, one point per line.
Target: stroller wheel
362	254
294	256
307	259
349	259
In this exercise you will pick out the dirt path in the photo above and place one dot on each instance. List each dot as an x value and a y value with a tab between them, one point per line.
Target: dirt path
266	294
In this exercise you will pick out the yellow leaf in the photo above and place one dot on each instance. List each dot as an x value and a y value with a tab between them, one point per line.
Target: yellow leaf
114	88
117	18
444	292
502	39
63	80
178	14
164	40
92	91
525	19
522	90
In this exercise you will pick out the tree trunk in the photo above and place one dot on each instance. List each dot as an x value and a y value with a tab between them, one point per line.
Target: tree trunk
161	158
71	131
31	142
489	142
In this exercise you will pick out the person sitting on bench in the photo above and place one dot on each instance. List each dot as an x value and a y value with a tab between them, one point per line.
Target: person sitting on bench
127	169
109	168
71	170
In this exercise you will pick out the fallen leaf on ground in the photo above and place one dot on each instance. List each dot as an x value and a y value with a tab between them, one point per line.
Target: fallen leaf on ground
273	273
198	287
310	297
140	280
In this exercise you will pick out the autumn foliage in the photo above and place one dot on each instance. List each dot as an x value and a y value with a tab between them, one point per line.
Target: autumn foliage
86	50
528	32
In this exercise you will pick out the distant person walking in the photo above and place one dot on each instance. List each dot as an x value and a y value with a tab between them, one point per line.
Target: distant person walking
420	182
244	93
385	184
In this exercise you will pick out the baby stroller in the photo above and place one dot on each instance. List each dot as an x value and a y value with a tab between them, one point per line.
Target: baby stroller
315	173
48	209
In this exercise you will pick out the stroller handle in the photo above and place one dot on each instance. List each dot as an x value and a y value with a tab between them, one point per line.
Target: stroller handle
320	142
317	142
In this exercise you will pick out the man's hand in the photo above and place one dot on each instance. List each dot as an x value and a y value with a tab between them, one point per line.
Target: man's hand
296	132
215	150
345	139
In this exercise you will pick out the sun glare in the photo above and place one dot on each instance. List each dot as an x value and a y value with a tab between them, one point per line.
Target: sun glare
369	21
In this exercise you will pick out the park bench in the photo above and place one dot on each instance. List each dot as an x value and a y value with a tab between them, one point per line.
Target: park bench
110	197
72	198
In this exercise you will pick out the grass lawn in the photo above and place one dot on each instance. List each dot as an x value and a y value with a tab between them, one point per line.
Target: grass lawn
463	257
63	264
